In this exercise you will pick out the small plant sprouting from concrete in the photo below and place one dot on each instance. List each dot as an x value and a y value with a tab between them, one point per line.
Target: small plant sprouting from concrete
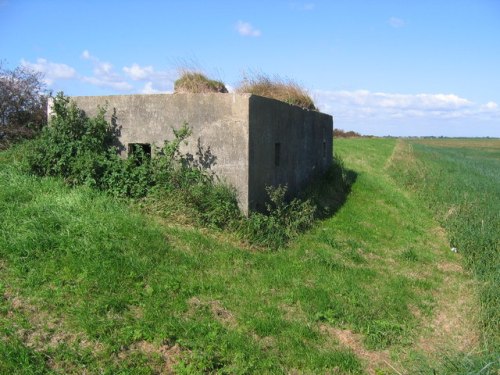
278	88
198	83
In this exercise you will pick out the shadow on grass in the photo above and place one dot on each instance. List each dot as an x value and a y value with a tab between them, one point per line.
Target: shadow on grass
329	192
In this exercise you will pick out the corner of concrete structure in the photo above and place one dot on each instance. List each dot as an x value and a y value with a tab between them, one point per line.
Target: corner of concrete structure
288	145
218	122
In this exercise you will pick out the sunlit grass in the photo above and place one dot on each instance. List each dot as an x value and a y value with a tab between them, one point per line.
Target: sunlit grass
91	283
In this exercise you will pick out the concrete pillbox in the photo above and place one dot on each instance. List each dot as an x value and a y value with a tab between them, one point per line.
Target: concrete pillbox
248	141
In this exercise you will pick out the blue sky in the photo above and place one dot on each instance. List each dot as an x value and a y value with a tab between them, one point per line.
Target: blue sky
413	67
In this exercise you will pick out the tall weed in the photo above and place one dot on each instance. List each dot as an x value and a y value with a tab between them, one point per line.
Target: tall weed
281	222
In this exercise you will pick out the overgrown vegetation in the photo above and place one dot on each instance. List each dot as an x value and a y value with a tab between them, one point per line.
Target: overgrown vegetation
278	88
82	151
198	83
22	104
286	90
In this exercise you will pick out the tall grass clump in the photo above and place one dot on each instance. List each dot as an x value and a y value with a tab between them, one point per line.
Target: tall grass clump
197	83
278	88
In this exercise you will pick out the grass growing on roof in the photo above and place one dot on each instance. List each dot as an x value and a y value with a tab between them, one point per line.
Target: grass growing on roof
286	90
197	83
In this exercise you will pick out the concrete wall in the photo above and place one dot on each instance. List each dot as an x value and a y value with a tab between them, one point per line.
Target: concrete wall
219	123
236	134
288	146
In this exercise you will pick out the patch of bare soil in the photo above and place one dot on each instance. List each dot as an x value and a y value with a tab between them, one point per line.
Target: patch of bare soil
374	360
219	312
453	326
169	355
293	312
266	342
45	330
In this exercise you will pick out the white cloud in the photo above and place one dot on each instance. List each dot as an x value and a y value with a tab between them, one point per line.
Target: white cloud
422	114
104	75
103	68
396	22
490	106
246	29
295	5
51	71
149	89
359	105
137	73
367	99
106	82
86	55
156	81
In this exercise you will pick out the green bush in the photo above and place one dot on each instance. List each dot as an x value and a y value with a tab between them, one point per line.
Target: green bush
74	146
81	150
282	221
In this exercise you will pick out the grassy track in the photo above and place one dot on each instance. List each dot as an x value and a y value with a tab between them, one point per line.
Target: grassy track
90	284
459	180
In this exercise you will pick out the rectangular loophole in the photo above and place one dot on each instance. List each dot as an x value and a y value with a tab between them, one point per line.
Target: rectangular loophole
324	149
139	151
277	154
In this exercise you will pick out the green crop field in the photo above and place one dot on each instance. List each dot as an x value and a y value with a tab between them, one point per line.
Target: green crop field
93	284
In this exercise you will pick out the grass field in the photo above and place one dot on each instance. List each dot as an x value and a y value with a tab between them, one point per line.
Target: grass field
91	284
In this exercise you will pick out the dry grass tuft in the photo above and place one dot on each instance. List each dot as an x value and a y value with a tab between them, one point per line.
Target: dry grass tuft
197	83
278	88
376	361
169	355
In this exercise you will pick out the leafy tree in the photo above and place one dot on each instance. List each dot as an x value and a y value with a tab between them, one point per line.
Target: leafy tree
22	103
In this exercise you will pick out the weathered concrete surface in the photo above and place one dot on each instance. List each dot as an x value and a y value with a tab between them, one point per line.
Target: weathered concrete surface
219	124
235	135
302	138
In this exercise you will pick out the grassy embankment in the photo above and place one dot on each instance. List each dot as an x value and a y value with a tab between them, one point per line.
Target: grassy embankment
89	283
